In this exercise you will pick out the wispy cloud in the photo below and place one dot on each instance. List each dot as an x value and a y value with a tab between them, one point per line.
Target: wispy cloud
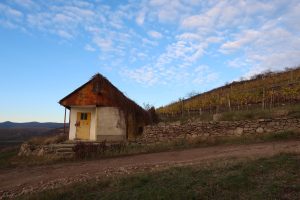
155	34
10	13
165	42
28	4
242	39
88	47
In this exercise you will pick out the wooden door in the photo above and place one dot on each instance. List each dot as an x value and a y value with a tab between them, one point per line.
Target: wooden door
83	125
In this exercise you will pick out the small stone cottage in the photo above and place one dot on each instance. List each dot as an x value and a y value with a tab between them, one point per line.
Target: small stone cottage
99	111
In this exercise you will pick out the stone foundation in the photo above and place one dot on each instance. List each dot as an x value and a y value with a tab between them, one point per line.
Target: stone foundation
49	150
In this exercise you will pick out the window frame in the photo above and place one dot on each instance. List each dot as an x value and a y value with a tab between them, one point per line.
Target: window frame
83	116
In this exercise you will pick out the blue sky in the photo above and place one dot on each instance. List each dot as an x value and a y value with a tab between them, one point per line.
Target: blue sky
154	51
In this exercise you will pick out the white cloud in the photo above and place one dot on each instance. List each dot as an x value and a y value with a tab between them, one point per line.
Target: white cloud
8	24
148	42
10	12
196	21
103	44
25	3
140	17
214	39
241	40
64	34
88	47
268	48
144	75
255	33
206	20
240	62
204	75
62	18
167	11
189	36
155	34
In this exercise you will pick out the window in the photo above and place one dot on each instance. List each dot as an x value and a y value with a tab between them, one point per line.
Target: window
83	116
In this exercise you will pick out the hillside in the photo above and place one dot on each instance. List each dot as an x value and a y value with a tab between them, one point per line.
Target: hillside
15	133
9	124
267	90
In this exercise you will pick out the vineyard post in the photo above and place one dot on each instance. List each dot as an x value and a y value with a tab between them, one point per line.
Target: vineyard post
263	97
181	107
229	104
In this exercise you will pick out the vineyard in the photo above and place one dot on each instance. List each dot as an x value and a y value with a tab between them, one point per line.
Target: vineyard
267	90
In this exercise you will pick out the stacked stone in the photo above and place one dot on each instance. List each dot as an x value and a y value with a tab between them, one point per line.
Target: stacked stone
174	131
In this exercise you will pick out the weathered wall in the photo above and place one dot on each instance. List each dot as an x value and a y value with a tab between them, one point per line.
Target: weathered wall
172	132
110	124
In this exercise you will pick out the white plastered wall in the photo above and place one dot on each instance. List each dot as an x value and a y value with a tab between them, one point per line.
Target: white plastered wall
110	124
73	119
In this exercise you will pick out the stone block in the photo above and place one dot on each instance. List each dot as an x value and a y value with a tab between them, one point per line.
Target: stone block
259	130
238	131
217	117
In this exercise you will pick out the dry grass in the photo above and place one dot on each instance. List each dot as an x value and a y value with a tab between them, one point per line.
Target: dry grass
44	140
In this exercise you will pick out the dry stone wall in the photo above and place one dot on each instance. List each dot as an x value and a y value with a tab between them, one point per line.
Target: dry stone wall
175	131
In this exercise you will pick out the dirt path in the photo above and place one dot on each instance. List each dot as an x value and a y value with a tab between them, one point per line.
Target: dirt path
23	180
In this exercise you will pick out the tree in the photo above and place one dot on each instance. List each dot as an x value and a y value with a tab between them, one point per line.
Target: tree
153	116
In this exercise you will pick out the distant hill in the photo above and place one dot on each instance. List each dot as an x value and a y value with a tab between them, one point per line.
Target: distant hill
266	90
12	133
49	125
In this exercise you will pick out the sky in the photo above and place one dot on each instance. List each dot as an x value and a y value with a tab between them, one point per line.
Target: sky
154	51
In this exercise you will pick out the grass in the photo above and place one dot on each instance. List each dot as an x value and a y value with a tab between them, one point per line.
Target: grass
9	159
181	144
248	139
44	140
277	177
286	111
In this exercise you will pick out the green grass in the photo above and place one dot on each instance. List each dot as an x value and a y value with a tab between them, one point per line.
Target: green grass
277	177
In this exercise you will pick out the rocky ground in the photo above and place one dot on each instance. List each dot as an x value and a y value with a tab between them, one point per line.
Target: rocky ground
17	181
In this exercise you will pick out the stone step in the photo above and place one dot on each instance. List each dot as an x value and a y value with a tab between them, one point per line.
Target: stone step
62	145
64	150
74	142
66	154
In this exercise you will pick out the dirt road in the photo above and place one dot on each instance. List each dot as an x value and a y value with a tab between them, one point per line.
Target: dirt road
23	180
